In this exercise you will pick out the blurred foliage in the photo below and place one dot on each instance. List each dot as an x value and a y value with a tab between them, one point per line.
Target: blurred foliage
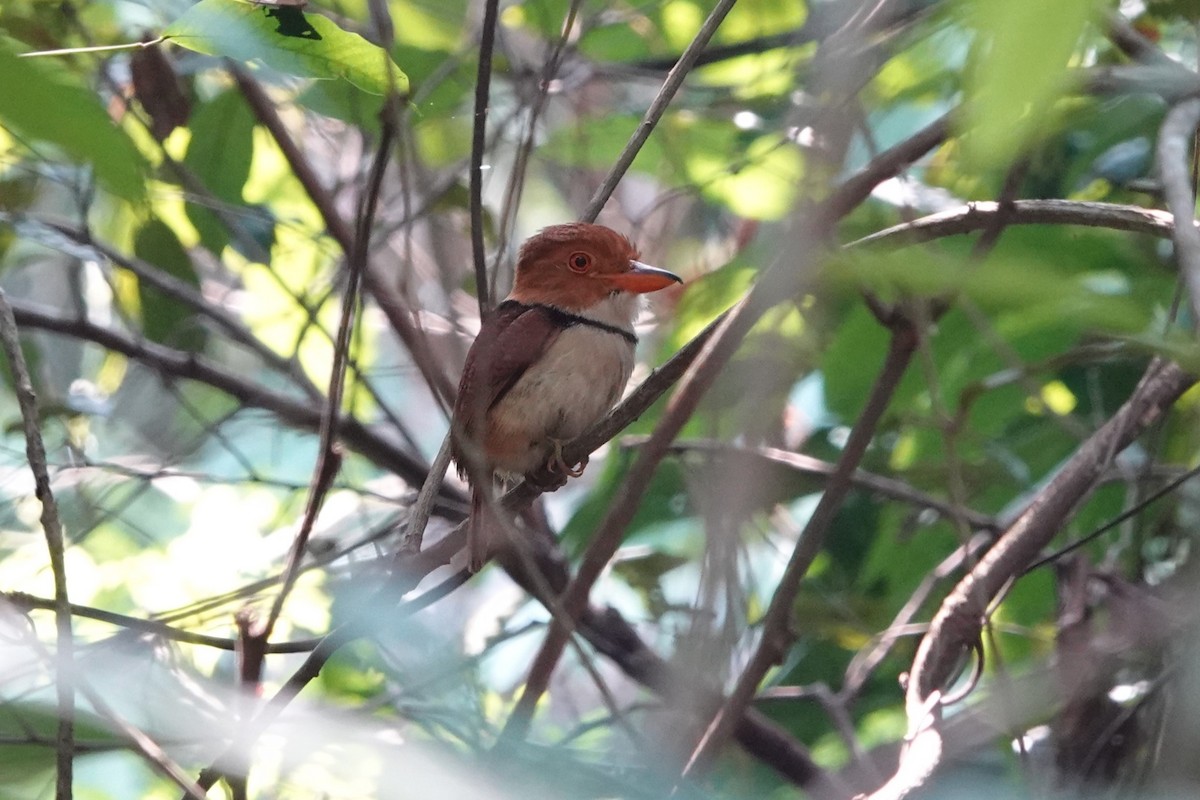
196	285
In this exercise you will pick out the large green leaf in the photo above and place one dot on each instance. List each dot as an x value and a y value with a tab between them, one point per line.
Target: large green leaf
43	102
1023	51
219	153
167	319
287	39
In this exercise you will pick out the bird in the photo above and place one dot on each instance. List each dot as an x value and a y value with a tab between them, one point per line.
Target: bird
548	362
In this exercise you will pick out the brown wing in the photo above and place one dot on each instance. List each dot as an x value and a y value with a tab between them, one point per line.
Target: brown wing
511	339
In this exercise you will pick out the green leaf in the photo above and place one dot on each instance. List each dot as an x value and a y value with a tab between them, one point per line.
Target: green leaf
44	102
219	153
164	318
286	39
1023	50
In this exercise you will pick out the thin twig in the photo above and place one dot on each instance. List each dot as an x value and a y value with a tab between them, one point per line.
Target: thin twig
805	464
379	288
172	363
776	635
35	450
173	287
657	108
1129	513
418	517
375	612
519	171
153	627
329	458
483	81
138	739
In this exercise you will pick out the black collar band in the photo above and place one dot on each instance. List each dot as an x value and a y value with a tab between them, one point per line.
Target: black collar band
566	319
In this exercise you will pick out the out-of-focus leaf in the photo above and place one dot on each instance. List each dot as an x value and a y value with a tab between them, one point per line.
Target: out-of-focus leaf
665	500
1042	295
286	39
340	101
23	719
847	379
617	42
598	142
1022	52
754	177
166	319
219	153
705	298
45	103
441	79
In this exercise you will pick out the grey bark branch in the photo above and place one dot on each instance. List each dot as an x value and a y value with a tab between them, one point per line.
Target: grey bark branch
957	625
35	450
657	108
1174	166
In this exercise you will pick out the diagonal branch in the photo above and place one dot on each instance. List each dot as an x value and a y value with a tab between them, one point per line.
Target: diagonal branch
657	108
171	363
776	636
956	627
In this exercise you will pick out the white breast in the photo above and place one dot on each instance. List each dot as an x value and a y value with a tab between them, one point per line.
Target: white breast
580	377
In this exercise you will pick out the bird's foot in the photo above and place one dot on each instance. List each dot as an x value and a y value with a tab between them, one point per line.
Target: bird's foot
557	464
554	474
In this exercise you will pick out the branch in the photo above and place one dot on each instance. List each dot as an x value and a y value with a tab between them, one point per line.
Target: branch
381	608
888	164
329	459
178	364
35	450
956	627
783	278
153	627
657	108
1132	43
483	81
776	635
1174	138
138	739
393	308
545	569
808	465
979	215
171	286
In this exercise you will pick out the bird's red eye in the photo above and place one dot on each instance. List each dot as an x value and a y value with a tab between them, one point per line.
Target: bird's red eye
579	262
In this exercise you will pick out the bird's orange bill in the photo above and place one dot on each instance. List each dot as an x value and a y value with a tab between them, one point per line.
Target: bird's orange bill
642	278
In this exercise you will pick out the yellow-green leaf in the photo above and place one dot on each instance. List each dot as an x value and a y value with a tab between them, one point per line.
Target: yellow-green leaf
1023	49
286	39
44	102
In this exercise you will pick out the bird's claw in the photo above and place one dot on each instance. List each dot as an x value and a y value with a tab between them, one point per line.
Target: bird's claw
554	474
557	464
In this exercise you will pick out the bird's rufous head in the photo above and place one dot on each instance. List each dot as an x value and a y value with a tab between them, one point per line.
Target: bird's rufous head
576	265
